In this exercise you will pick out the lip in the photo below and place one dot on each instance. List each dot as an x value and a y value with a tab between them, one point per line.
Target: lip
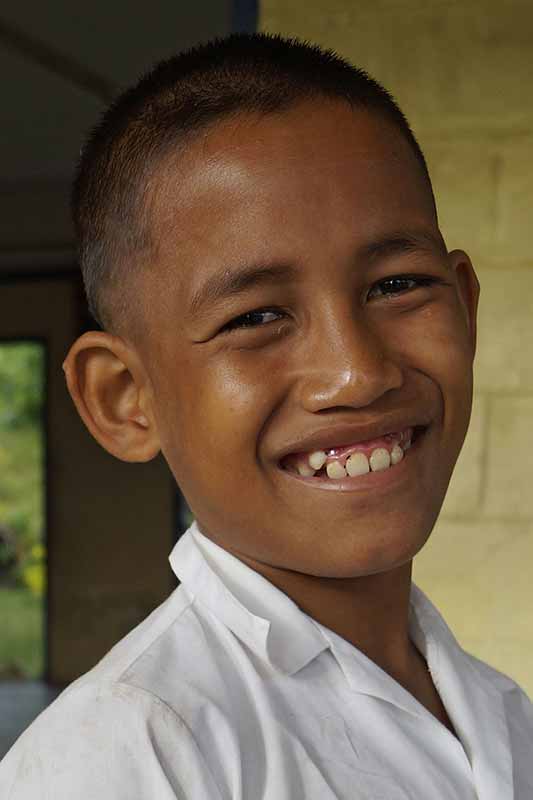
333	436
383	480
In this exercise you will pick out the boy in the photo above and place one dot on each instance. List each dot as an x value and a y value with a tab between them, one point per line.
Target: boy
281	318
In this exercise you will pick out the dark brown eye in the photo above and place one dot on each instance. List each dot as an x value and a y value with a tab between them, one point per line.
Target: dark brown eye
253	319
400	284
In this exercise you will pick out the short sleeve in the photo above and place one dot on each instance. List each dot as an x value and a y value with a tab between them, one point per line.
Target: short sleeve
113	742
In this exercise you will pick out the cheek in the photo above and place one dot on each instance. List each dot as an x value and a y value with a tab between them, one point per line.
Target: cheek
221	408
224	412
438	340
439	347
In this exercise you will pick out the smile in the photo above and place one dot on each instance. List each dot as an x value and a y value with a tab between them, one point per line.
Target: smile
352	461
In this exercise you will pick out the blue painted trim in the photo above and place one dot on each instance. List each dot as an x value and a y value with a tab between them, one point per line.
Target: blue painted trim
245	16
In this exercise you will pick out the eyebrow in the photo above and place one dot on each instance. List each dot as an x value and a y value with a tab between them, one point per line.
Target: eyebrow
232	282
398	243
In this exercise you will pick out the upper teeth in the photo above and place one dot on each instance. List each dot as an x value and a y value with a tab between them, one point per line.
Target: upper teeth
356	464
379	459
335	470
305	470
317	459
397	453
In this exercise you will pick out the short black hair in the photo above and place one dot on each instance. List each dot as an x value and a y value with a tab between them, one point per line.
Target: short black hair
240	73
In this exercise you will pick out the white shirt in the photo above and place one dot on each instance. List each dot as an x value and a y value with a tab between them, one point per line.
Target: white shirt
229	691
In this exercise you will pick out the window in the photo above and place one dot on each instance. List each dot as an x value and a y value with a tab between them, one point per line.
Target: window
22	509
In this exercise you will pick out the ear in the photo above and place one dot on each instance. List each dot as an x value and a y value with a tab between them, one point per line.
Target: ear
468	291
112	394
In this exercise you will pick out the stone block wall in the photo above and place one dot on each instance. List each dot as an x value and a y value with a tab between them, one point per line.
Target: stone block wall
463	74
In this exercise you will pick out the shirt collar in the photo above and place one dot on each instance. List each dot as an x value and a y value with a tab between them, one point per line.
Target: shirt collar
281	634
278	632
258	613
473	693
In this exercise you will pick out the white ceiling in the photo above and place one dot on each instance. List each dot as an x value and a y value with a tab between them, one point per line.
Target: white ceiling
60	63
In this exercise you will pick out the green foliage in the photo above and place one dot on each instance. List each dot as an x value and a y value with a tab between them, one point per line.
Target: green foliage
21	642
33	570
21	442
21	487
21	384
22	557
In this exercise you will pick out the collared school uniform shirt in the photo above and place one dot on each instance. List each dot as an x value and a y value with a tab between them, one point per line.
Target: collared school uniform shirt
228	691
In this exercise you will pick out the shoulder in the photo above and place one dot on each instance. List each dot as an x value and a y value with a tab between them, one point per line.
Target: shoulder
496	678
114	733
516	701
519	710
105	740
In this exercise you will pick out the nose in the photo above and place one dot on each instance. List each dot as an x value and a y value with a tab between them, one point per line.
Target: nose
347	364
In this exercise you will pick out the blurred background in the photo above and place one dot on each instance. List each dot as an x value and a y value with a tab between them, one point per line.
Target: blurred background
84	538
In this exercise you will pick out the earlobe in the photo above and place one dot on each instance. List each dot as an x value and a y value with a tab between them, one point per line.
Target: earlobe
111	392
468	289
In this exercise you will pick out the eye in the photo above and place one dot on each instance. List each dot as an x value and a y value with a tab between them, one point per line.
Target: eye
399	284
253	319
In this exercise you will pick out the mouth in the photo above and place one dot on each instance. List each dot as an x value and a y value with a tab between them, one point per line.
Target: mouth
349	465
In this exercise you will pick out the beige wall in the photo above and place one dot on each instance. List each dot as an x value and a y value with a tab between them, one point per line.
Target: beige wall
463	74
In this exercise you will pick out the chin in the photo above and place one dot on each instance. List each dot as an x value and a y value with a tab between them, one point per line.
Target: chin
381	554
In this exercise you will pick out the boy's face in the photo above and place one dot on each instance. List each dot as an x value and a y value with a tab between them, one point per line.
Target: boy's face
329	203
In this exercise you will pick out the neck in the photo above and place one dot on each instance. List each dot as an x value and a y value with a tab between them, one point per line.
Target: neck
370	612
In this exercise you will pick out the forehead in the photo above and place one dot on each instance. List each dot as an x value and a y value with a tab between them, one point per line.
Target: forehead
314	178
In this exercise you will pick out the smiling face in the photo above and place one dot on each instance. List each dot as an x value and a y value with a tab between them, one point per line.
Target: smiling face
302	299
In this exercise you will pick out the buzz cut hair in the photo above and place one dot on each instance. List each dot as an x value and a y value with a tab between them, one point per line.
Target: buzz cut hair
180	97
